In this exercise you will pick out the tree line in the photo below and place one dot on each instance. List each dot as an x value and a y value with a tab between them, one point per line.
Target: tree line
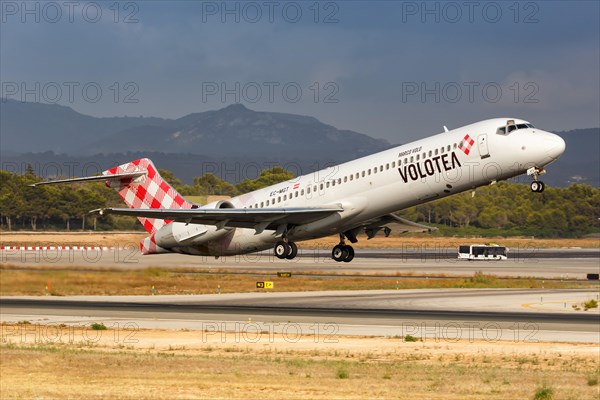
503	209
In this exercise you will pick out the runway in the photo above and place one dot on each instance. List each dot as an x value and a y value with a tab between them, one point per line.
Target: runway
449	315
549	264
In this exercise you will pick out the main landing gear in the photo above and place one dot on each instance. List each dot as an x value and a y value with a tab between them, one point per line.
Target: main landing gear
342	252
536	186
285	250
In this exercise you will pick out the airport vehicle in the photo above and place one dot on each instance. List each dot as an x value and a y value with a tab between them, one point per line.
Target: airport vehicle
353	198
482	252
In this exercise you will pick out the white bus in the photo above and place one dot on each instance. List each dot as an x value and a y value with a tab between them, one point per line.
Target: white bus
482	252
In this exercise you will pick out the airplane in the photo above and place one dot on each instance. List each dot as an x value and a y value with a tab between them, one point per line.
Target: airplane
356	197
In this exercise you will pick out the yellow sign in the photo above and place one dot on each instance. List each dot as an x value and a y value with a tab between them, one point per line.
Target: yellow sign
268	285
264	285
284	274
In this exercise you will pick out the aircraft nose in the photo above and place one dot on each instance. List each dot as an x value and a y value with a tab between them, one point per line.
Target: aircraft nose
555	146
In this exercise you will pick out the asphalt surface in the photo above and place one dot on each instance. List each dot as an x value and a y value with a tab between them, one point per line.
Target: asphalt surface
489	314
551	264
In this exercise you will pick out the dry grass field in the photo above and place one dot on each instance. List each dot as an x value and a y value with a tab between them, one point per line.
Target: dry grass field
191	365
79	281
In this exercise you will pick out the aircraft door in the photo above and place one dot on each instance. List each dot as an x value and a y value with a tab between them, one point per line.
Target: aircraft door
482	144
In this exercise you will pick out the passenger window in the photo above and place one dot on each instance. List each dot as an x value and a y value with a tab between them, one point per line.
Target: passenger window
267	202
296	194
436	152
442	150
418	157
284	197
387	166
262	204
394	163
279	199
454	146
308	190
321	186
302	192
345	179
357	175
430	153
412	159
339	181
326	185
448	148
363	174
351	177
315	188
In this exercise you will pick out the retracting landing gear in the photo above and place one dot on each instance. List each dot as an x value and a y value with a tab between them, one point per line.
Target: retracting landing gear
536	186
285	250
342	252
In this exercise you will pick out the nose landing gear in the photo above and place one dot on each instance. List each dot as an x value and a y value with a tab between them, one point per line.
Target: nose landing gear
536	186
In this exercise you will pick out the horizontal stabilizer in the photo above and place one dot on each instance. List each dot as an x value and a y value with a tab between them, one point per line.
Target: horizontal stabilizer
103	178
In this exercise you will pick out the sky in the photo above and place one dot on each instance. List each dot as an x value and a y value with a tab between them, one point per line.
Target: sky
391	69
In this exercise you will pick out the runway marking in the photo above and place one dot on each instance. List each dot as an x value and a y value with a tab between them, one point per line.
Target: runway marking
45	248
541	305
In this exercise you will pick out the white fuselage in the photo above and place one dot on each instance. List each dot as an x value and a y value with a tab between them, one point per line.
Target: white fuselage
391	180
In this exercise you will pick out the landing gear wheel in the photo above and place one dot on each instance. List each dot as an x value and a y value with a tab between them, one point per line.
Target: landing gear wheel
281	250
340	252
537	186
350	256
293	251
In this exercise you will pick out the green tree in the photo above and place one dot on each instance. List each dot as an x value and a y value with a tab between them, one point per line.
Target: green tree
267	177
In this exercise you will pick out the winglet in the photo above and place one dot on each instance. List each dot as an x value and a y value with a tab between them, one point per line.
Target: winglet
446	129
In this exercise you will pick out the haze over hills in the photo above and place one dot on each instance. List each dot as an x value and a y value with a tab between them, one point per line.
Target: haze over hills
221	141
231	131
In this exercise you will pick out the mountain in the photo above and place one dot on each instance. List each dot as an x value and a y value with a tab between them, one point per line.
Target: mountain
34	127
580	162
238	131
231	131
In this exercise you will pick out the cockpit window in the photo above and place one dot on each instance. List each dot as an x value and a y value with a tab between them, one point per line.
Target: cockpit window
511	126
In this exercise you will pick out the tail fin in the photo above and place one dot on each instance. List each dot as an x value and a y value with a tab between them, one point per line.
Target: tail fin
146	191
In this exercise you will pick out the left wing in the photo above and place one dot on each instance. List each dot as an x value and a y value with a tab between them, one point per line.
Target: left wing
256	218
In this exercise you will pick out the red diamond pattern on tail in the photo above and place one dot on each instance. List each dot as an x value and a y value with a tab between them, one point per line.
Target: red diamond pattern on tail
150	191
466	144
